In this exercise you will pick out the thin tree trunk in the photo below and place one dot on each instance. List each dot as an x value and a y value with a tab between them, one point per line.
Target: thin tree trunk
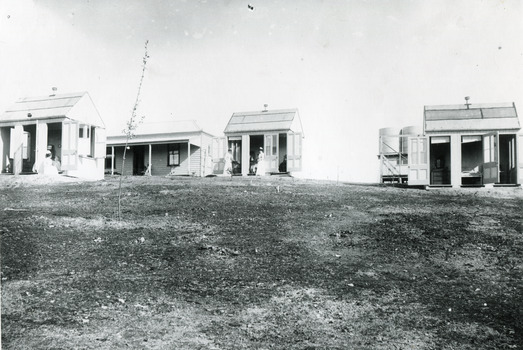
132	124
120	182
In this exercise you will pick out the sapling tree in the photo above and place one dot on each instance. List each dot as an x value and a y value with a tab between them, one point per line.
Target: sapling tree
130	127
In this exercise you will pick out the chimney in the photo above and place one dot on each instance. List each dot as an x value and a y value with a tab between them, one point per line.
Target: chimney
265	108
54	91
467	98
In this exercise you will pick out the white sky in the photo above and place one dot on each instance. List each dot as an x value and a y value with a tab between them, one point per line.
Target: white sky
350	67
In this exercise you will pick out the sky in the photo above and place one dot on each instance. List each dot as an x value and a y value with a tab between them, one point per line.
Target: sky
349	67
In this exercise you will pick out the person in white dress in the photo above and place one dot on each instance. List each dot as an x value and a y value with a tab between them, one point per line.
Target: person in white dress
260	168
47	167
227	169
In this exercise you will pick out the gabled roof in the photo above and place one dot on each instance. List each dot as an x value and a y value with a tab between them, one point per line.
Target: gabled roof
277	120
76	106
475	117
161	131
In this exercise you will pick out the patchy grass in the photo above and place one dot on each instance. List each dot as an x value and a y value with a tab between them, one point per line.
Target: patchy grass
250	263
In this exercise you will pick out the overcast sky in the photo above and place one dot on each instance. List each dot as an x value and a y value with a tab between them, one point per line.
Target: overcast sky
350	67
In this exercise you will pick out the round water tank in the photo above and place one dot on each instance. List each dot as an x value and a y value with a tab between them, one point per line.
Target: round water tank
390	140
409	131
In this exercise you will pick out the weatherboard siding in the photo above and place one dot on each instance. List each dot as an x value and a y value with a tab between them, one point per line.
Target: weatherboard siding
206	156
118	157
159	156
159	160
195	161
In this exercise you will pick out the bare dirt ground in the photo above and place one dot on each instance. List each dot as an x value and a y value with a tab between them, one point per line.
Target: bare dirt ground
250	263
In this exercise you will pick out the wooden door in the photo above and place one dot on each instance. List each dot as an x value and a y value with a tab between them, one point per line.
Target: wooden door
69	145
16	145
100	139
294	151
41	143
490	158
418	160
26	145
16	140
271	153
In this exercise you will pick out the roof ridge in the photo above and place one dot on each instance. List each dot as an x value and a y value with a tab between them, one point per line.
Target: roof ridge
274	111
164	121
50	97
36	109
471	106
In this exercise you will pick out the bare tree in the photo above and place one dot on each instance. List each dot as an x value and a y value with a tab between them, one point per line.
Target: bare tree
131	125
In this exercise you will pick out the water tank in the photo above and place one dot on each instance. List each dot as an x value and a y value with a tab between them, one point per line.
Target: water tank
390	140
409	131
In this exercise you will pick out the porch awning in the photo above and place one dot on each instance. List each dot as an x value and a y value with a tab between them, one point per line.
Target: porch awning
151	139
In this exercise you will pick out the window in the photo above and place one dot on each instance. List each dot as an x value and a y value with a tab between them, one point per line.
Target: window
84	131
93	135
26	145
85	147
489	148
271	145
173	154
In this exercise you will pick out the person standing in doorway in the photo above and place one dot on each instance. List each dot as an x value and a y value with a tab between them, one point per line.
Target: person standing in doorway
54	157
252	164
47	167
283	165
260	167
227	169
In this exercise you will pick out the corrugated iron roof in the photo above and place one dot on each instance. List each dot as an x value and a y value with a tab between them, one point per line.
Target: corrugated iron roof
168	127
261	121
159	131
487	117
146	139
471	106
41	107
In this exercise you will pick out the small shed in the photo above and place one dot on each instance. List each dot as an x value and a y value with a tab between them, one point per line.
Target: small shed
162	148
67	124
469	144
278	132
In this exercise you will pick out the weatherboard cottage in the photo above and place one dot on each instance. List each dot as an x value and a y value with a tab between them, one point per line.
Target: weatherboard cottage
461	145
162	148
68	125
278	133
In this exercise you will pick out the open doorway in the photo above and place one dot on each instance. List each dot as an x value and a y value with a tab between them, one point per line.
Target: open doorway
138	159
471	160
440	160
235	145
54	143
507	160
282	143
29	148
255	143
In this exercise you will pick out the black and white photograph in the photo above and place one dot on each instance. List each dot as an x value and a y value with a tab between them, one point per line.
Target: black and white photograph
262	174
